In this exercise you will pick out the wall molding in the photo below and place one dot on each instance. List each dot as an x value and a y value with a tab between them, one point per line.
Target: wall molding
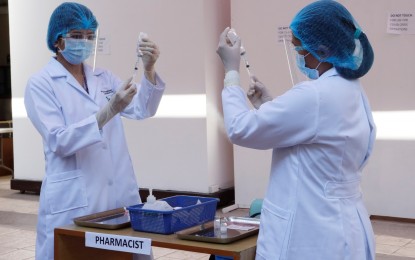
226	196
394	219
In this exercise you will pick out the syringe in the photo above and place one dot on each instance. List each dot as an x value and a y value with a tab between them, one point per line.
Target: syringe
139	53
232	36
243	55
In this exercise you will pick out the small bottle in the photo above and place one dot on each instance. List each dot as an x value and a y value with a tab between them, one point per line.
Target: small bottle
223	227
151	198
216	226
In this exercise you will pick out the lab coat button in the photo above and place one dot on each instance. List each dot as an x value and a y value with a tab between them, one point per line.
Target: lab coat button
104	146
110	182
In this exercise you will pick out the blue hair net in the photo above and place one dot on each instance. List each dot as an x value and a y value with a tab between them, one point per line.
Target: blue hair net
67	17
329	32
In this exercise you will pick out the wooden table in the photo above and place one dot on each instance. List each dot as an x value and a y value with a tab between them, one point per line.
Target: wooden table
70	244
3	131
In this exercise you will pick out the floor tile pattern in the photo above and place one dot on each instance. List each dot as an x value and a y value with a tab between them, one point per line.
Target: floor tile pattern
18	213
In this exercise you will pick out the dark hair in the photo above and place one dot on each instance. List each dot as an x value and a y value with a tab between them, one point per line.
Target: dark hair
367	61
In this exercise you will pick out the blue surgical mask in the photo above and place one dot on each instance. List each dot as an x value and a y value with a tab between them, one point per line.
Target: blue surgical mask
77	50
310	73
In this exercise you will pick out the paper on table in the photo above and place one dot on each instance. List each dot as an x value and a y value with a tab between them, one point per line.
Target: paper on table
239	227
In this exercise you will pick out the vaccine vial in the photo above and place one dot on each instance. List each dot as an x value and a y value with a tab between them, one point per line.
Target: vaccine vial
216	226
223	227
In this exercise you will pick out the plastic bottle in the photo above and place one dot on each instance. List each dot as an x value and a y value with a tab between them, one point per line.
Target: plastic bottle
153	204
216	226
150	197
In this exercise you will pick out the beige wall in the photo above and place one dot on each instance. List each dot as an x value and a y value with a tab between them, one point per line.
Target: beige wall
192	153
388	179
169	152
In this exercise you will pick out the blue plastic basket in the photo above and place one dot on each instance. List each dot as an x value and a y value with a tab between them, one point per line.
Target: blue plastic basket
168	222
219	257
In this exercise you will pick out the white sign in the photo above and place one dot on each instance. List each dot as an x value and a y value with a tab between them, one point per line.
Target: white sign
401	23
283	32
103	45
135	245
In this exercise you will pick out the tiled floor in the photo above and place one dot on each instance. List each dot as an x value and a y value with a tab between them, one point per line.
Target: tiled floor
18	213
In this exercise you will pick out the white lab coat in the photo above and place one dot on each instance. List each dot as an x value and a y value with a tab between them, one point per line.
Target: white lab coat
321	133
87	170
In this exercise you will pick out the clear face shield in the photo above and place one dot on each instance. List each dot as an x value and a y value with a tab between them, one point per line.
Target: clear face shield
92	59
81	47
291	54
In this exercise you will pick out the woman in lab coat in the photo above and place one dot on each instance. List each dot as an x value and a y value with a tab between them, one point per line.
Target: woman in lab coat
77	111
321	132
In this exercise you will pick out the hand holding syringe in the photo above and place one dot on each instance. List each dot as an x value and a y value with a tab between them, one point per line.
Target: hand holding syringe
139	53
232	36
257	93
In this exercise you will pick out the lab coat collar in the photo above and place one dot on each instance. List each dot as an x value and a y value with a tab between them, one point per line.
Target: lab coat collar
57	70
331	72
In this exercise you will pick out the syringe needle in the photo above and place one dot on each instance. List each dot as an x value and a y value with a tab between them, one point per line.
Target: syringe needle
248	68
139	53
135	69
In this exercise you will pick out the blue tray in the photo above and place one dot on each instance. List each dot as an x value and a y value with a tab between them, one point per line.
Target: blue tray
194	211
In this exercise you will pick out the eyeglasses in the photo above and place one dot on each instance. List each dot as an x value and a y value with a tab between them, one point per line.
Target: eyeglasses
297	48
80	36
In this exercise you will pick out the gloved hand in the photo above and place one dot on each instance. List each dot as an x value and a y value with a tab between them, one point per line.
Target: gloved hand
230	54
117	103
257	93
150	53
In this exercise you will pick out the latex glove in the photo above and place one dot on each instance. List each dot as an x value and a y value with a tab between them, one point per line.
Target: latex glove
150	53
257	93
230	54
118	102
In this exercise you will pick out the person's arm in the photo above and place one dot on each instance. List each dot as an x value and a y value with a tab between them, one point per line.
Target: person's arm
118	102
44	110
150	52
151	88
151	76
147	100
287	120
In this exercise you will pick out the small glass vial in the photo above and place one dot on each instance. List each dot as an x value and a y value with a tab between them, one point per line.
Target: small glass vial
223	227
216	226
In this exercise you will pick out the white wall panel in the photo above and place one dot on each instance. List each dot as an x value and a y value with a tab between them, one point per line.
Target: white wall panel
388	178
178	153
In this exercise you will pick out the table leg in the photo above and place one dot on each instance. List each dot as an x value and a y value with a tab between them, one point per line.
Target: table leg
1	156
248	254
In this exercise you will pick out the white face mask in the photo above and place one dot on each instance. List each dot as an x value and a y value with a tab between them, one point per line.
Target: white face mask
77	50
310	73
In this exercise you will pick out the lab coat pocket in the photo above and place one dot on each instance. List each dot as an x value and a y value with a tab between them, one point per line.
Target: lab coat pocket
66	191
274	232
